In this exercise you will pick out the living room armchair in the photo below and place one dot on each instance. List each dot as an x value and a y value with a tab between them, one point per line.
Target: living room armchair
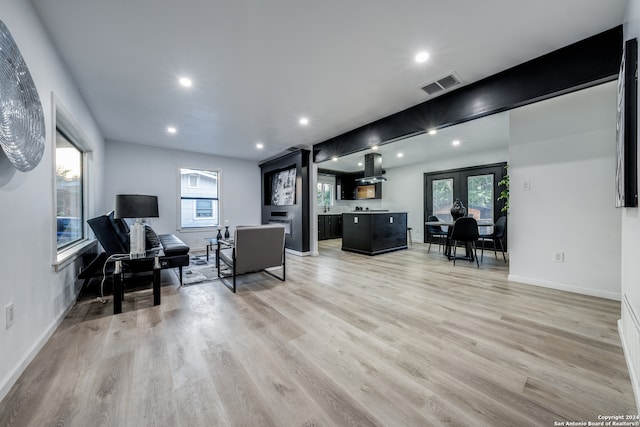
254	249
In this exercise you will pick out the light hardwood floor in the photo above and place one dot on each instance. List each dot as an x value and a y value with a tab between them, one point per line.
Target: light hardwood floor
397	339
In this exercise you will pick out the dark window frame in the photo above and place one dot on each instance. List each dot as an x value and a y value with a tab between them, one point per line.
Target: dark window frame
460	189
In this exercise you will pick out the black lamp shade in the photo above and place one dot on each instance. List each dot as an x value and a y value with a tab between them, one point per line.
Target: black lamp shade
136	206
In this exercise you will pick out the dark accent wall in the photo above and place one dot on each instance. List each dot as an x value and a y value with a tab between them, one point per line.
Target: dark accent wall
296	217
586	63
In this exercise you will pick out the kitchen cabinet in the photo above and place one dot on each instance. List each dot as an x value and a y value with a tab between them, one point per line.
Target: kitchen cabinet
350	189
347	185
329	226
369	191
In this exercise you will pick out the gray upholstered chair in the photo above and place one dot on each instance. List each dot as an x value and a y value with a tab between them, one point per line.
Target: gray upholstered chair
254	249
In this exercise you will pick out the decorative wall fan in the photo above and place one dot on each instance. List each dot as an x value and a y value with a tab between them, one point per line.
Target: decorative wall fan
22	128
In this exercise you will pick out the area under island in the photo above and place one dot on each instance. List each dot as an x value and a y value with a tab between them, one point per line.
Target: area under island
374	233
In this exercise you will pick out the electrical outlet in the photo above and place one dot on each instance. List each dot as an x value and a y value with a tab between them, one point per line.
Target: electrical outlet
558	256
10	314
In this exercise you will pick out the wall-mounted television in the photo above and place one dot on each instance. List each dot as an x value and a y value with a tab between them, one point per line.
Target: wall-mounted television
283	187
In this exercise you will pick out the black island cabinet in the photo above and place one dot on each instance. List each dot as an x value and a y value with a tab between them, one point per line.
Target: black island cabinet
374	233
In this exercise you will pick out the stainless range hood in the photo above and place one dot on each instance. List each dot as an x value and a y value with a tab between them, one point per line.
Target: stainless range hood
372	169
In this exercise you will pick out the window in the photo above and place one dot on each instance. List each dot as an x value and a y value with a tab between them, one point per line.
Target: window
204	209
199	202
69	192
325	194
193	180
481	196
442	198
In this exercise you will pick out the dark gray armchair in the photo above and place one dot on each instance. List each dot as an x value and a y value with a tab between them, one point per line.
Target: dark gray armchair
254	249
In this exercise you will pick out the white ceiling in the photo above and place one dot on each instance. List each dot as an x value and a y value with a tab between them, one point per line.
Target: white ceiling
257	65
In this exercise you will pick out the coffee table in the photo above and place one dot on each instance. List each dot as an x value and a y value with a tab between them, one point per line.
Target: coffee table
213	243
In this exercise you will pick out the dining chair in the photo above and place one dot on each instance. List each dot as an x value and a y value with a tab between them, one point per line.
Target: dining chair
465	230
435	231
497	236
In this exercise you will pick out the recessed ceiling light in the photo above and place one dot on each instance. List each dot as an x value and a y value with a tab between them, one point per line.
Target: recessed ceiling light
304	121
334	158
432	132
260	145
400	155
455	143
359	163
185	81
422	57
375	147
171	129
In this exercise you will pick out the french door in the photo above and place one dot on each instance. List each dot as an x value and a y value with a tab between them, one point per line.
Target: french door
476	187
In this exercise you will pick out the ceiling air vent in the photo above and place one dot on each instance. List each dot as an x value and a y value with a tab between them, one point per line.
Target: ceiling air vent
442	84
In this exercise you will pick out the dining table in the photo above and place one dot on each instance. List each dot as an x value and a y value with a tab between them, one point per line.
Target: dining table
449	224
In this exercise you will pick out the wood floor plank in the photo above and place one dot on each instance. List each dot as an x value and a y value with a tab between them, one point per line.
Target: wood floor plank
403	338
200	405
242	401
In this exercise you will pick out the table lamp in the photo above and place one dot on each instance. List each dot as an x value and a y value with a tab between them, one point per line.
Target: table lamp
136	206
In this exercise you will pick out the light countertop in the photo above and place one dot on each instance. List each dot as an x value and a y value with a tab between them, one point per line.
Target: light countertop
371	212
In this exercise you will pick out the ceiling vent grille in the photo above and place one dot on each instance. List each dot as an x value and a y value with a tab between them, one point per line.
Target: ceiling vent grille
442	84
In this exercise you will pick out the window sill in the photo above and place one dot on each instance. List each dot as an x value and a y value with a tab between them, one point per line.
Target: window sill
70	254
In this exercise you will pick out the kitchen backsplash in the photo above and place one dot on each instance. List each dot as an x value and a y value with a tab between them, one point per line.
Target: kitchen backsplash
350	205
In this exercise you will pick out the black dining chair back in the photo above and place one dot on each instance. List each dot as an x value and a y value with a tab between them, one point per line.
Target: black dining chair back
435	231
498	235
466	230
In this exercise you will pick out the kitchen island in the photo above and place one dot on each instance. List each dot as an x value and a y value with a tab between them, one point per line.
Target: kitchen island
373	233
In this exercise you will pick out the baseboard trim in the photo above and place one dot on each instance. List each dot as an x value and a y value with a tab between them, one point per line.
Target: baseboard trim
629	322
564	287
9	381
292	252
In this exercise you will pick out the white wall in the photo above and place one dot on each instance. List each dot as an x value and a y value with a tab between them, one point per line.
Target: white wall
630	267
404	188
40	296
565	149
133	168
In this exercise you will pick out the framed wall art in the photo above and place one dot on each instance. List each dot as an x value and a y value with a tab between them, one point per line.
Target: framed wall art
627	128
21	115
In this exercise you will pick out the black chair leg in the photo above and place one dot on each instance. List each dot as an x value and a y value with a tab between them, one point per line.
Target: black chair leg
455	245
430	239
475	250
502	249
